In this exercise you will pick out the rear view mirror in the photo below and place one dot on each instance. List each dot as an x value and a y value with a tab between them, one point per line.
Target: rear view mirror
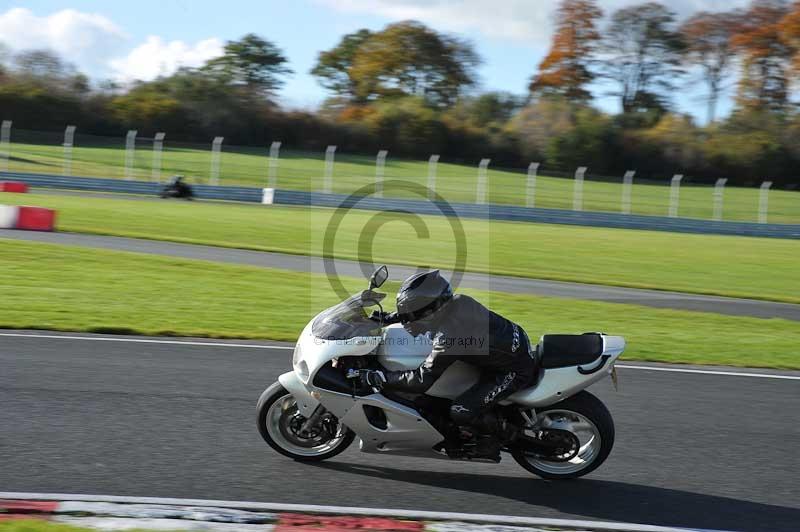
379	277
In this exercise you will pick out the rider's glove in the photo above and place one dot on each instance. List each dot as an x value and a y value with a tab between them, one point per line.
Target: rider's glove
386	318
373	378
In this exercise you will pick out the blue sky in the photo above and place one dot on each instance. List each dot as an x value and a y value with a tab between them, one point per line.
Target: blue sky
141	38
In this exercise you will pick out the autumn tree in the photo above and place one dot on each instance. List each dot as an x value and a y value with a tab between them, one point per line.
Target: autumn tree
765	57
642	53
790	32
404	59
708	46
251	62
565	70
333	66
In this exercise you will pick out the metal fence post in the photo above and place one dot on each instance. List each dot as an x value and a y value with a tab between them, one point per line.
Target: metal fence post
69	140
380	163
5	144
274	154
433	161
719	188
130	153
480	193
627	185
763	202
158	146
330	154
577	192
674	195
530	193
216	147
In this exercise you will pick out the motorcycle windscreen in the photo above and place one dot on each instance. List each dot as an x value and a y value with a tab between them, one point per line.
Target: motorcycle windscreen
344	321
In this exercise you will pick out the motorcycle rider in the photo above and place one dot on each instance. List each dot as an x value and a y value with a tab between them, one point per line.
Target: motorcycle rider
462	330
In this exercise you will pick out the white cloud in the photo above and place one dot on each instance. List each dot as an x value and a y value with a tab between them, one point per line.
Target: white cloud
99	47
85	39
525	21
155	57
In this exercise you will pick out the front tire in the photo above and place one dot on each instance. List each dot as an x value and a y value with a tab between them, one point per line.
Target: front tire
278	422
586	417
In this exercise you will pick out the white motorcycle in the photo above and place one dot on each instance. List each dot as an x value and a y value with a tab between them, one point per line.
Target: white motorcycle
315	412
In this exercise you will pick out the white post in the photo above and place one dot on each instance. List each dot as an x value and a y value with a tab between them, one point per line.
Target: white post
763	202
69	140
330	153
380	162
674	195
530	195
274	153
433	161
5	144
577	192
158	145
627	185
480	193
130	153
719	188
216	147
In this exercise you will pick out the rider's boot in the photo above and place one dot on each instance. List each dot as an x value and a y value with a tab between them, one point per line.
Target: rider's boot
487	447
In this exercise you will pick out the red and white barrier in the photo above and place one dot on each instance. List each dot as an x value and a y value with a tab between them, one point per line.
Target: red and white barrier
13	186
27	218
8	216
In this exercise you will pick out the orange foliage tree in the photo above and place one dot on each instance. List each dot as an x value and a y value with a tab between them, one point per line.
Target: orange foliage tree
566	69
790	32
765	57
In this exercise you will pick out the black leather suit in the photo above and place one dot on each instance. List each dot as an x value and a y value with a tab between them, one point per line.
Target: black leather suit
464	330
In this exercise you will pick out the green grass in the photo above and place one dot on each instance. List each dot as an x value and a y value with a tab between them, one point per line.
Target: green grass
39	525
45	286
758	268
36	525
457	183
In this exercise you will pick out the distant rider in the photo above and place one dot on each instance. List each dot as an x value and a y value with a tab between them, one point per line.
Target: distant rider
462	330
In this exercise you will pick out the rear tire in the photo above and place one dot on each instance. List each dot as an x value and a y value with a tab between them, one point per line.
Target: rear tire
584	415
275	414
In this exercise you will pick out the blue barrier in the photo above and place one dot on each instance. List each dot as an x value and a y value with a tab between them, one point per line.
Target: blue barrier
464	210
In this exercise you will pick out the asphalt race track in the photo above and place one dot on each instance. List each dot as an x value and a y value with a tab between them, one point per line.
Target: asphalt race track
514	285
178	420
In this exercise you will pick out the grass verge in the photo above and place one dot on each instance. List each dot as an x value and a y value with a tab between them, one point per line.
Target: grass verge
40	525
757	268
45	286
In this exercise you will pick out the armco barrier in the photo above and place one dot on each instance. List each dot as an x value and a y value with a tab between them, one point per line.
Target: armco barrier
491	211
131	187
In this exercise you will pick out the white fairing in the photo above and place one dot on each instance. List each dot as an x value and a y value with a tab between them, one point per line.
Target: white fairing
400	351
311	353
559	383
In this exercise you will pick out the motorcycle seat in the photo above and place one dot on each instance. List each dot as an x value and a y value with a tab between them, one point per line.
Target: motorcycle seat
564	350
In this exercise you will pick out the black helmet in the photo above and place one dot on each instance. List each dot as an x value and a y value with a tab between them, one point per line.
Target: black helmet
421	295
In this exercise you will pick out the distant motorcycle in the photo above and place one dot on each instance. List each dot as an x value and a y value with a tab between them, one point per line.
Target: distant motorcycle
315	412
177	188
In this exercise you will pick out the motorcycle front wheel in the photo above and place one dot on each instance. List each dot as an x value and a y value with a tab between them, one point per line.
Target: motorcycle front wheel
283	427
591	424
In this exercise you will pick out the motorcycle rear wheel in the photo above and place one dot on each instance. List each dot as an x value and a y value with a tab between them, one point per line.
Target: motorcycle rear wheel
278	418
586	417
